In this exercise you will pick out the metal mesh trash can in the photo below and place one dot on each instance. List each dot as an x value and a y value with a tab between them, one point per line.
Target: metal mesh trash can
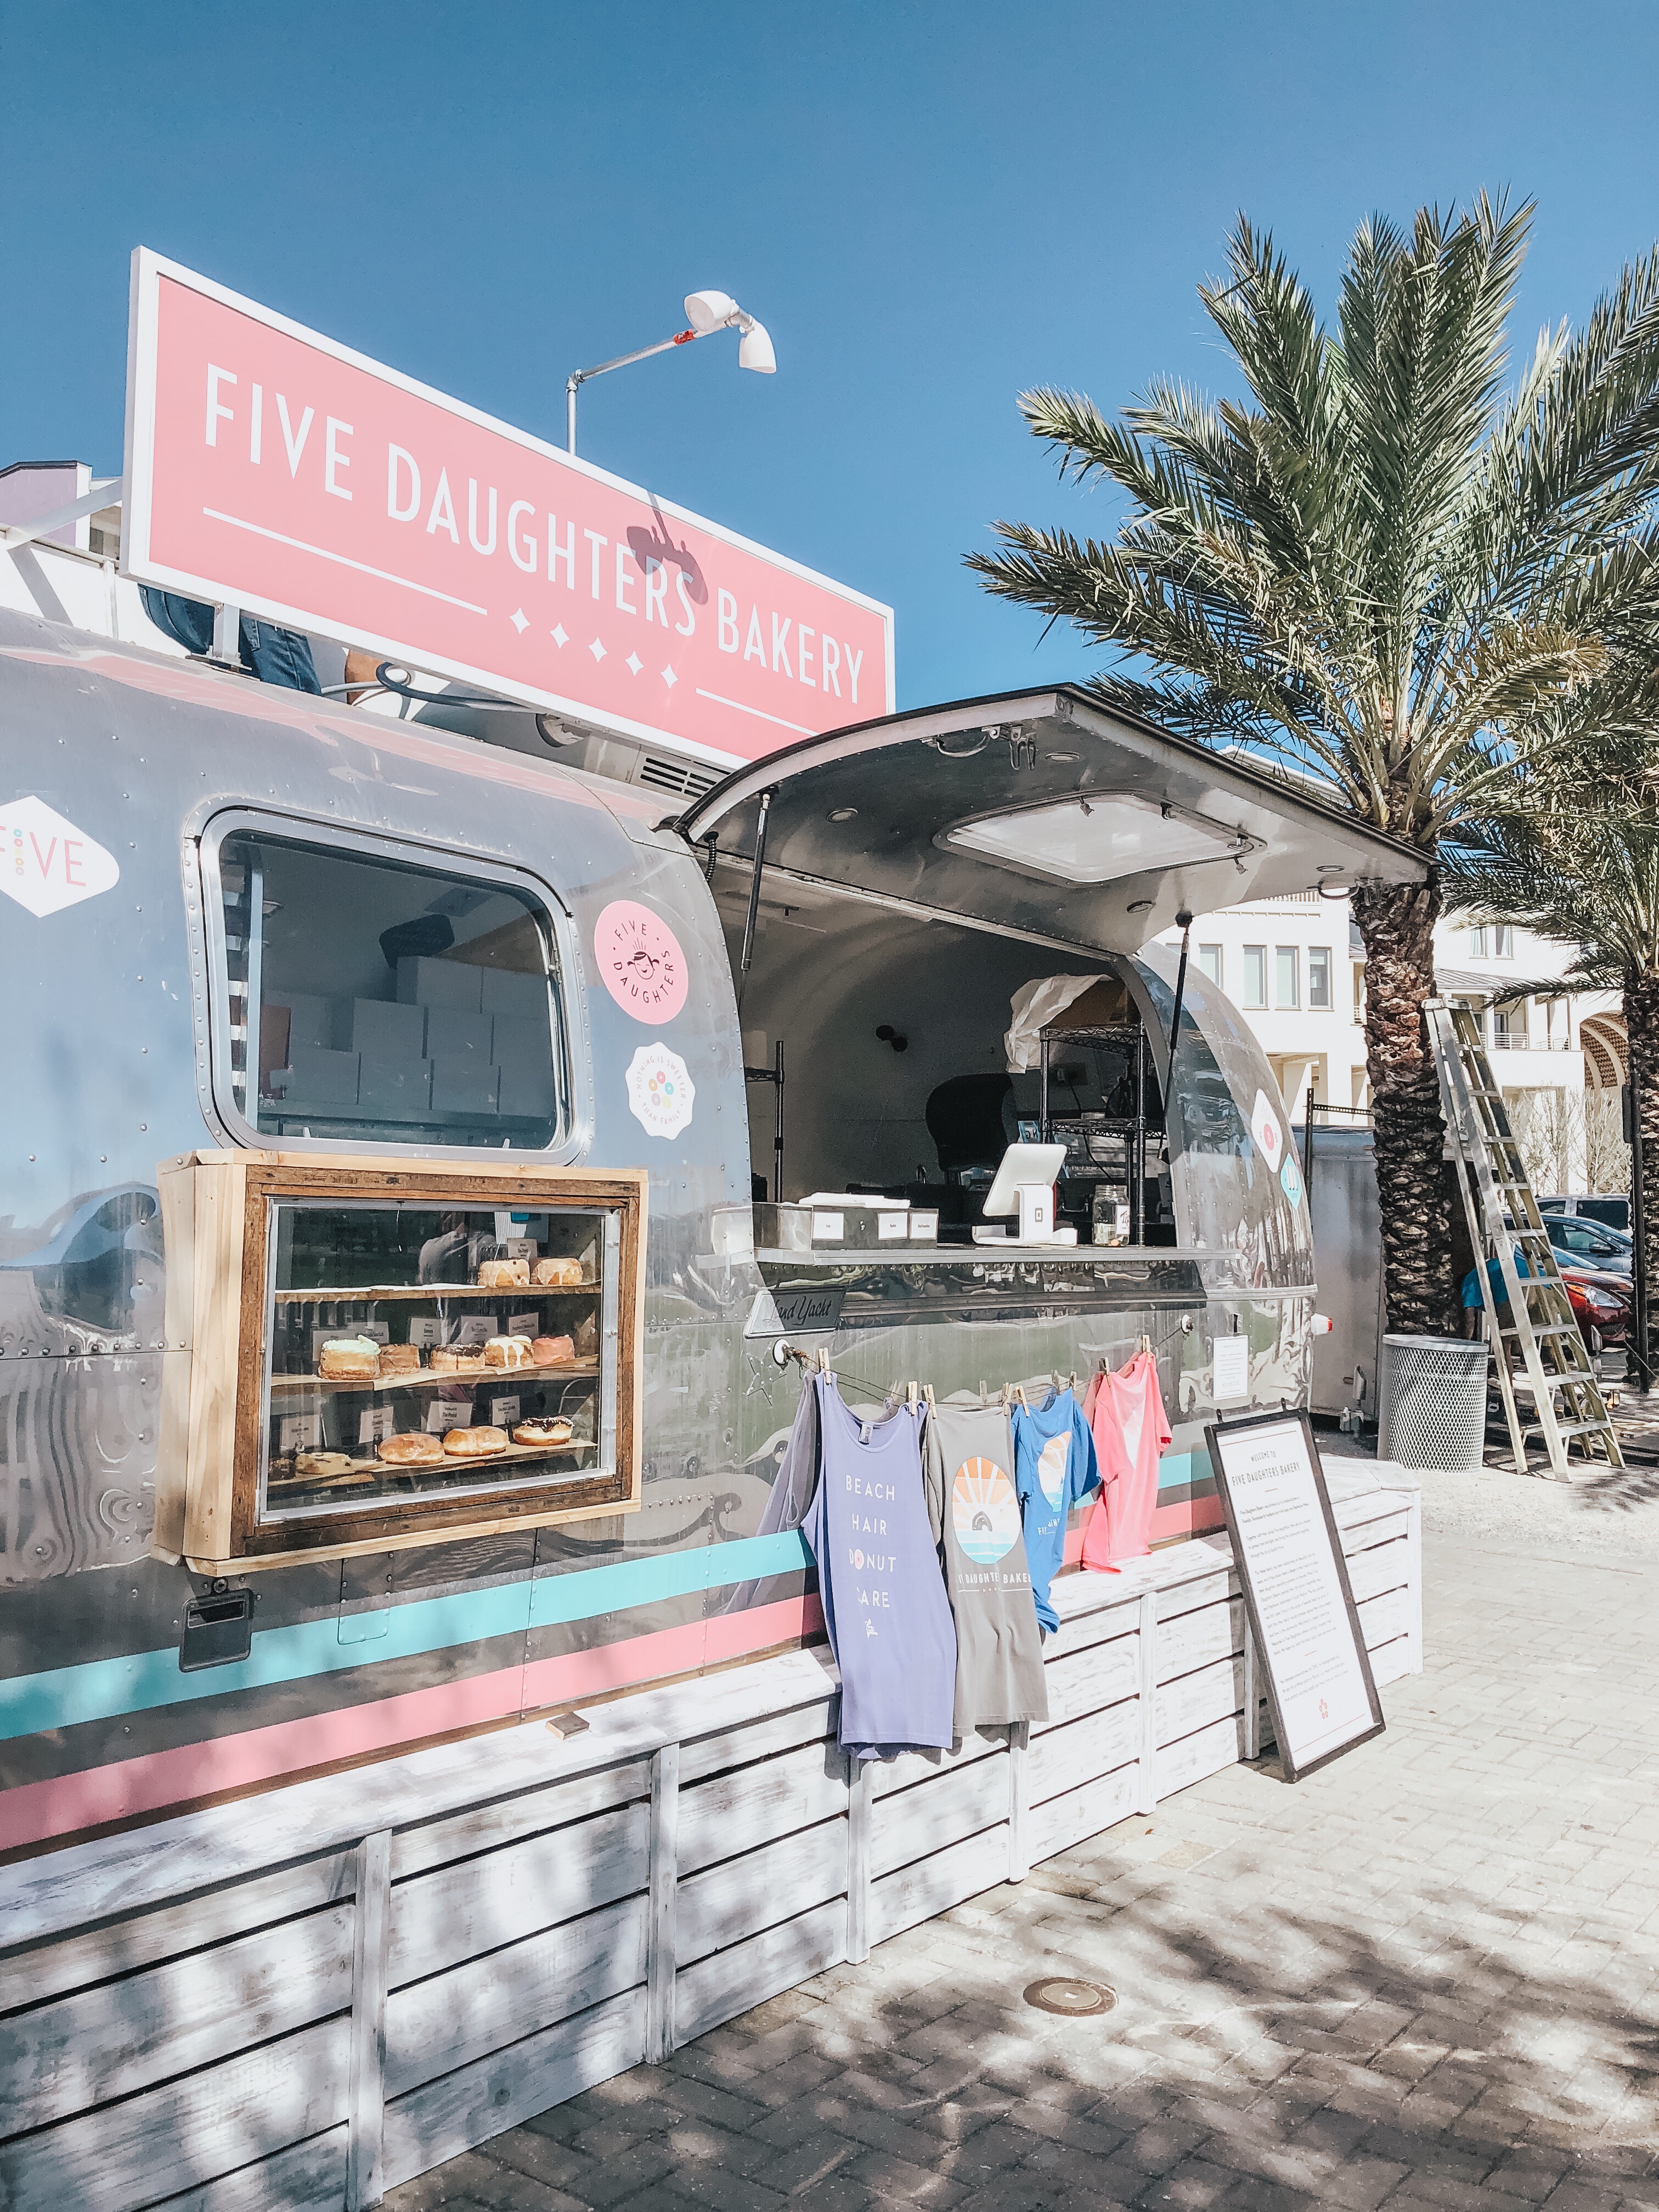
1431	1402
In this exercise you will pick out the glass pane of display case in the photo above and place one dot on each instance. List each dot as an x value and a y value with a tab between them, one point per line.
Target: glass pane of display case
415	1351
368	998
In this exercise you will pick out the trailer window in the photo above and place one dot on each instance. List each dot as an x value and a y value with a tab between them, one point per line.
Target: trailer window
365	997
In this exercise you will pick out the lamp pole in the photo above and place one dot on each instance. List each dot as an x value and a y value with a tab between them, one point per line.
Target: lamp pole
705	313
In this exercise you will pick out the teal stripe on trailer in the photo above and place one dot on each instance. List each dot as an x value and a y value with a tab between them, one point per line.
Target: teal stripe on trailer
103	1689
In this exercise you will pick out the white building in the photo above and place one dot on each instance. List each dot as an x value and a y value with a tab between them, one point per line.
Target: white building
1295	967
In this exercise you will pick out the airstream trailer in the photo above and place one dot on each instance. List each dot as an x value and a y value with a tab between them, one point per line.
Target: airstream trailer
329	1027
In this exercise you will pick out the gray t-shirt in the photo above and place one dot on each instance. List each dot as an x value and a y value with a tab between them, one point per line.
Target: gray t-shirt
975	1518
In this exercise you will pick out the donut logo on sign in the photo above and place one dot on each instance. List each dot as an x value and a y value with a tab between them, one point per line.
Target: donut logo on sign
661	1091
984	1511
640	958
1264	1127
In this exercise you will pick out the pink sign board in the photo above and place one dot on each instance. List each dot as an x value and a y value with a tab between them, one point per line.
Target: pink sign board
270	469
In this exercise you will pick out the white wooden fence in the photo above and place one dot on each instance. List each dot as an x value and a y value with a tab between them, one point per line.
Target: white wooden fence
305	1998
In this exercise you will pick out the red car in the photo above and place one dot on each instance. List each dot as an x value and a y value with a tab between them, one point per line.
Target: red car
1601	1304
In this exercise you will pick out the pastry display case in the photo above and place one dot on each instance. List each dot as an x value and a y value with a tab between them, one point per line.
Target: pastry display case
380	1358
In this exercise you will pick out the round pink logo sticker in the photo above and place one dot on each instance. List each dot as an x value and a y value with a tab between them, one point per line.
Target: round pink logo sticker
640	958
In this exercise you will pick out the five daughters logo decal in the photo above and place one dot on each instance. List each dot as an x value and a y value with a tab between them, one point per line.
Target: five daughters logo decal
640	958
984	1511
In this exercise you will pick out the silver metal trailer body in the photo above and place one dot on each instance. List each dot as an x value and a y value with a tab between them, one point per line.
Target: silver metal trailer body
121	1051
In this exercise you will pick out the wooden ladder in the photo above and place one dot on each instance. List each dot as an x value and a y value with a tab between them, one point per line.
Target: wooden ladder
1503	1216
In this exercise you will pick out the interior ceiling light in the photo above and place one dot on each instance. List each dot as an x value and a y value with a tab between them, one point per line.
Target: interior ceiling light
1101	842
842	813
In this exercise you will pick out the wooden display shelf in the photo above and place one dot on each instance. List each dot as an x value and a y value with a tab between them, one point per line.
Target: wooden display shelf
363	1470
424	1378
377	1292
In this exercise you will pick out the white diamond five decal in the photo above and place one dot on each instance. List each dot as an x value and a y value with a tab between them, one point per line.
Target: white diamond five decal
46	863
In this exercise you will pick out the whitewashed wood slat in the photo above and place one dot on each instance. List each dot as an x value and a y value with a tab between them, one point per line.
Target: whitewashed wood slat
365	2091
736	1898
74	2052
1067	1757
186	2132
933	1886
1205	1752
662	1903
813	1722
913	1767
1370	1520
434	2026
122	1947
1148	1781
1193	1596
466	2107
915	1823
490	1827
309	2178
1080	1682
749	1806
1383	1618
1195	1700
860	1812
1020	1848
1391	1661
1085	1627
727	1983
476	1904
1199	1639
1076	1814
1381	1567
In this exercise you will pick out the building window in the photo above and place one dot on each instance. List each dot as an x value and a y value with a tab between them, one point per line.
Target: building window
1478	943
1255	977
1319	978
1209	961
1359	991
1503	941
1356	942
371	997
1287	976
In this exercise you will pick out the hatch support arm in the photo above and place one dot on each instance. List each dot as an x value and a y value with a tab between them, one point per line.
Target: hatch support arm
753	913
1186	920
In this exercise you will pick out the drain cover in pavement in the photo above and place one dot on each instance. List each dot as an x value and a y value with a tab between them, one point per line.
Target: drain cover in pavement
1062	1995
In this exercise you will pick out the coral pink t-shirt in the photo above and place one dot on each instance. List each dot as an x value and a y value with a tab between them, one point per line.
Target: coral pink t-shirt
1130	1432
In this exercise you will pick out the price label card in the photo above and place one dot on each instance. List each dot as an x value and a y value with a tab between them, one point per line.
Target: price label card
425	1331
475	1328
828	1228
891	1224
924	1225
503	1412
300	1432
524	1324
374	1424
441	1415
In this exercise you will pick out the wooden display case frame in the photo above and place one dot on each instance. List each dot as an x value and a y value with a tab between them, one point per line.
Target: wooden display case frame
214	1209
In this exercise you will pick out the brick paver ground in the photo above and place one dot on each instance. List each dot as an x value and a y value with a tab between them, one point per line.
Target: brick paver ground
1427	1977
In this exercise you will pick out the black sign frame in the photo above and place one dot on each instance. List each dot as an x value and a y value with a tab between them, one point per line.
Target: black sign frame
1214	1433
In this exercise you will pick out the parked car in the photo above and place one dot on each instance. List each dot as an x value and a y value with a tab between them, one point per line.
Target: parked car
1601	1304
1589	1243
1614	1212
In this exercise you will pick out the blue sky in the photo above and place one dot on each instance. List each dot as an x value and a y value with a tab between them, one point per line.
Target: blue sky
931	206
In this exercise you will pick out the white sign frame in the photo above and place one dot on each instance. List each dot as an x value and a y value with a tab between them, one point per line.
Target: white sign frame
1225	1440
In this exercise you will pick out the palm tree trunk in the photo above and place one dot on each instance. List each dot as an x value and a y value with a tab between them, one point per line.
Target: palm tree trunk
1396	923
1642	1031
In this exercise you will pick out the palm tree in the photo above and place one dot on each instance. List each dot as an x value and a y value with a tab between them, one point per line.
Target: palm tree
1368	573
1572	853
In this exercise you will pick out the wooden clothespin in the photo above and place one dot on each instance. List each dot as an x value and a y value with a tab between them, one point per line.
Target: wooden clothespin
824	1361
1019	1392
927	1392
910	1395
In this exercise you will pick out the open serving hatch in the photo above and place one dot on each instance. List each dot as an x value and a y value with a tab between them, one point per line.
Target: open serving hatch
888	892
1043	813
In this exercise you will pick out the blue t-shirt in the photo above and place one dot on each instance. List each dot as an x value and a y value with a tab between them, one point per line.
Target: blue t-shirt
879	1581
1054	1468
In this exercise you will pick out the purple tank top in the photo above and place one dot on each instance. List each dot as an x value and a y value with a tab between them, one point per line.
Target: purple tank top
879	1582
